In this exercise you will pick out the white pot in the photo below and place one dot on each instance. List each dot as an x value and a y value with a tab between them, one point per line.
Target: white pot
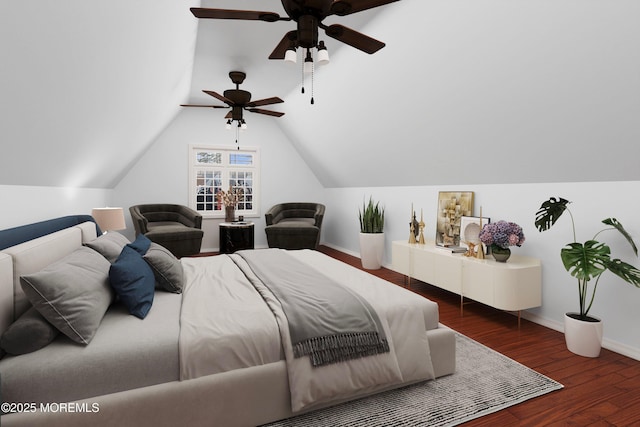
583	338
371	250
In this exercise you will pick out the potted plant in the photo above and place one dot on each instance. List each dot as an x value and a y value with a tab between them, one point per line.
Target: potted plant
498	236
371	235
230	200
586	262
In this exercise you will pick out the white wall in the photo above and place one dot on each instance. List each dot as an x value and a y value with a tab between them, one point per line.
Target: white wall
616	301
22	204
161	175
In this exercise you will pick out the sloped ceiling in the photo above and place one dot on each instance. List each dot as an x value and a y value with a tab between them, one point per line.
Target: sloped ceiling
87	85
466	91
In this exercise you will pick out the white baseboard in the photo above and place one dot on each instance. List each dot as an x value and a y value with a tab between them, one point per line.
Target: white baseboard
349	252
612	345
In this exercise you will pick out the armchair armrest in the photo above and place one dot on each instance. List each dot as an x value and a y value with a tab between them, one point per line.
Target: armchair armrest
273	215
319	215
139	220
190	217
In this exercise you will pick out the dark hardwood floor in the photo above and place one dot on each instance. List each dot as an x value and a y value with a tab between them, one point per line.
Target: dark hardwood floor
603	391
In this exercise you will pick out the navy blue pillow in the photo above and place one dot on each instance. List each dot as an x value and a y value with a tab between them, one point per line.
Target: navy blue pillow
132	279
141	244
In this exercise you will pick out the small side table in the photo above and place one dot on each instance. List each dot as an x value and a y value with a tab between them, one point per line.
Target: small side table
235	236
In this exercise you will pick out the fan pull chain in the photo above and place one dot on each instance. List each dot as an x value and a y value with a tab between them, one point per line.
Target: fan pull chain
238	136
302	74
312	72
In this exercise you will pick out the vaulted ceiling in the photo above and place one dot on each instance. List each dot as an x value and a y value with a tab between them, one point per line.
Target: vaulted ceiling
466	91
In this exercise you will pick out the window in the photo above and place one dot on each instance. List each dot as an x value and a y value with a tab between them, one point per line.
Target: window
214	169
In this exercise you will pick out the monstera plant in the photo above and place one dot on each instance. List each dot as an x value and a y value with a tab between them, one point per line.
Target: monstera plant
587	262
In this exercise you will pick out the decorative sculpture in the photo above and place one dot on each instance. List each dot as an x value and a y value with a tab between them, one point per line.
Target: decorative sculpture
421	225
412	228
470	249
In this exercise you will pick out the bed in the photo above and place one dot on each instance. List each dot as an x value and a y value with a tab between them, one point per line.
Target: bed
217	351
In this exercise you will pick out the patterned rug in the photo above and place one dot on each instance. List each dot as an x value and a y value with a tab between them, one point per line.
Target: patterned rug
485	381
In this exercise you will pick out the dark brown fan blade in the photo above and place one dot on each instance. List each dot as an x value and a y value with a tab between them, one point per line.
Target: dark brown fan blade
229	115
206	106
354	38
281	48
267	112
218	96
248	15
346	7
266	101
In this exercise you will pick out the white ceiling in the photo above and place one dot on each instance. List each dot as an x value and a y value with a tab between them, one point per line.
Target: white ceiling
466	91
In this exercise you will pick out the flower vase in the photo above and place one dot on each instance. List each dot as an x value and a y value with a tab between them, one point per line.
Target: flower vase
229	213
500	254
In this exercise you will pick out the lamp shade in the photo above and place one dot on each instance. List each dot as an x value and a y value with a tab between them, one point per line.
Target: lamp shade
109	219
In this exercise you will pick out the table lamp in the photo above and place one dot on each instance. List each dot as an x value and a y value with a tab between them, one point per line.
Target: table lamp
109	219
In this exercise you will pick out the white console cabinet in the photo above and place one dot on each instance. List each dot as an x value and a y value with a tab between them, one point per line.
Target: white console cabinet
512	286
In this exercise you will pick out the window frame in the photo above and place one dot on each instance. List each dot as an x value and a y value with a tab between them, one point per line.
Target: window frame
225	168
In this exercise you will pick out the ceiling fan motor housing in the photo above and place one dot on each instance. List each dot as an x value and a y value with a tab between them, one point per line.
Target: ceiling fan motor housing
236	113
308	31
238	96
296	8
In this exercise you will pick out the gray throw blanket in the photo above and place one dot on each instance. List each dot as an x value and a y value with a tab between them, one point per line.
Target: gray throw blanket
327	321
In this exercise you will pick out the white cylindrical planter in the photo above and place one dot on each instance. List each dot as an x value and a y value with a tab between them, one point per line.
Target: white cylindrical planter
583	338
371	250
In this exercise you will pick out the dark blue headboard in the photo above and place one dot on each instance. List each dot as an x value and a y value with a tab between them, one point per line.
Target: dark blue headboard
15	236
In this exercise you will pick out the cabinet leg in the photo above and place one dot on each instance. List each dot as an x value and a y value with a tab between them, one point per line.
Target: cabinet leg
407	281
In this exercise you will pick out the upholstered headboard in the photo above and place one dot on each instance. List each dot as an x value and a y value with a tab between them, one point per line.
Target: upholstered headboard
31	256
16	235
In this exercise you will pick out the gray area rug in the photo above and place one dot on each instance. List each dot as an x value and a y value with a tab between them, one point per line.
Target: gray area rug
485	381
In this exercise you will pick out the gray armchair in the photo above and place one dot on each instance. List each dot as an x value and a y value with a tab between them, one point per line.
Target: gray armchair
294	225
176	227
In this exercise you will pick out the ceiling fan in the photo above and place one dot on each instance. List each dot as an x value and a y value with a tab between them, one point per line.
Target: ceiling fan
239	100
308	14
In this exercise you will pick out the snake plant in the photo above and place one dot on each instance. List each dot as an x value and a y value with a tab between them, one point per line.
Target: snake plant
371	217
587	261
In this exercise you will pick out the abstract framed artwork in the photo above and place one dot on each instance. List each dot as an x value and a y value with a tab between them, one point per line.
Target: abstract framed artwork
452	206
470	228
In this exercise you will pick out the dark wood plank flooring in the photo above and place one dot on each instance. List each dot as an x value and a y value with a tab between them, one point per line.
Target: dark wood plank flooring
604	391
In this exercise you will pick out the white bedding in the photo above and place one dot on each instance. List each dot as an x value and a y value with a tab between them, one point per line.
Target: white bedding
226	325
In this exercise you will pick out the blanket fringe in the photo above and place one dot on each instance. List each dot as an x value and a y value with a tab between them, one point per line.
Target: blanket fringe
340	347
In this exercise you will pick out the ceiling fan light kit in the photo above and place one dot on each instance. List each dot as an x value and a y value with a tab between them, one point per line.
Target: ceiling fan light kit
308	63
291	56
323	54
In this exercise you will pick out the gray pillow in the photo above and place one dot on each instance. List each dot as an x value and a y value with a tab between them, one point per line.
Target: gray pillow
29	333
166	268
73	293
109	245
